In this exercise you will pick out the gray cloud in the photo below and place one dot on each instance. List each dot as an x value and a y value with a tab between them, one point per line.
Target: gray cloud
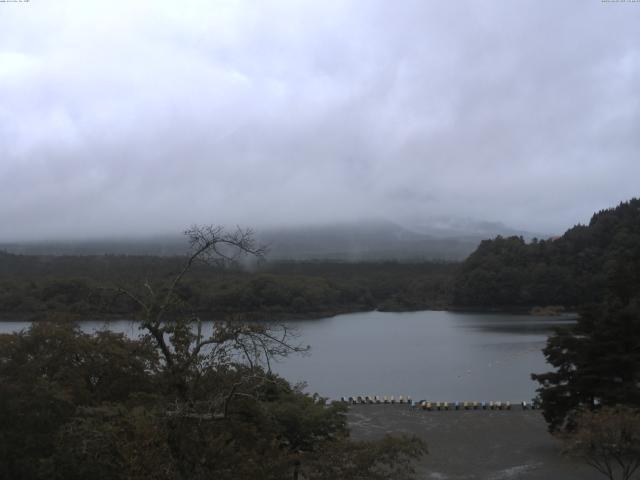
120	118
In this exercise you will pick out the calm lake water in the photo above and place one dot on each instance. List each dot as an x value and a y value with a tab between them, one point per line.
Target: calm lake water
440	356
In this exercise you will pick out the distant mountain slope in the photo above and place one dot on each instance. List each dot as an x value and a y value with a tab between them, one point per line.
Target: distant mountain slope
369	240
165	245
581	266
450	227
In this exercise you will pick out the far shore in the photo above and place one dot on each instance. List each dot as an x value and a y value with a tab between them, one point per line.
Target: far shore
287	316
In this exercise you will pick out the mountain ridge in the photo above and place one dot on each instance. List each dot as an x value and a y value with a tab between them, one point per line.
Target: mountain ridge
365	240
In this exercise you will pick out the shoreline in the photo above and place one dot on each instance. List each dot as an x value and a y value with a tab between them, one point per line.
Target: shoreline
283	316
473	444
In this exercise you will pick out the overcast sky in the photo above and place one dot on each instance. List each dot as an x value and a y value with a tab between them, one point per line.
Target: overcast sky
138	117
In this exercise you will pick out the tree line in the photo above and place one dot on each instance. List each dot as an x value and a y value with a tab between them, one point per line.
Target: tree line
36	286
582	266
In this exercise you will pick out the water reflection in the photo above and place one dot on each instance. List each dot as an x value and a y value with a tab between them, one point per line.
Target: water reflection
516	324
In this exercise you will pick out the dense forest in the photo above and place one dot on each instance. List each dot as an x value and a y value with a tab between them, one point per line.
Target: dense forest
578	268
32	286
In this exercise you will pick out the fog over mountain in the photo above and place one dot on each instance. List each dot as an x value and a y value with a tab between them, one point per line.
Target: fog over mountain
364	240
123	119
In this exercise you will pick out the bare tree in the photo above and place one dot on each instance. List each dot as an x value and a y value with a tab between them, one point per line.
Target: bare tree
186	350
607	439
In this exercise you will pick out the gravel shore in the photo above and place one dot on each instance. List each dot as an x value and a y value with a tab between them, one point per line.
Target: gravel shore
474	444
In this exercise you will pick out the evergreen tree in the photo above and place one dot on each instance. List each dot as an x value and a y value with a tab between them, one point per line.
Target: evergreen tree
597	363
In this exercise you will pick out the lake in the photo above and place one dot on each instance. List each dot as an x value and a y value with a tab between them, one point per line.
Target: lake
435	355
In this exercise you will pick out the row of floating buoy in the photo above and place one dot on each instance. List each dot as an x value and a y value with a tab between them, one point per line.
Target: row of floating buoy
424	405
360	399
431	406
492	405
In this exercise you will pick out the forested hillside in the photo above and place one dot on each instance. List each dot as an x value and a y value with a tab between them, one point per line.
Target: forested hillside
578	268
